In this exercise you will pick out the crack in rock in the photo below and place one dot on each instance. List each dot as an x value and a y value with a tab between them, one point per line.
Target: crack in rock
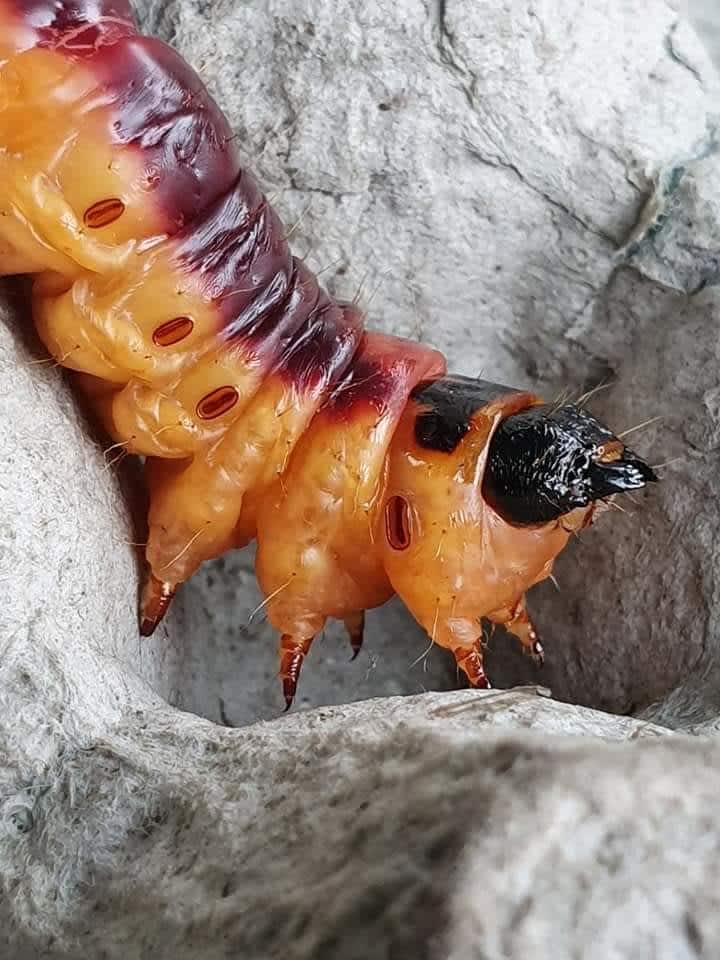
498	162
677	56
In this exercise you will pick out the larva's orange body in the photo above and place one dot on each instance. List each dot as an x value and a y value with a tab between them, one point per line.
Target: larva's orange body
163	277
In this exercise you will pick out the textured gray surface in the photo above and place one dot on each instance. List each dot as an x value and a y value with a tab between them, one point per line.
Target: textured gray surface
705	15
533	137
68	575
339	833
612	871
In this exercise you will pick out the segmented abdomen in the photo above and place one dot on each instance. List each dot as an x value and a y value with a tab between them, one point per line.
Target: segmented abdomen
165	279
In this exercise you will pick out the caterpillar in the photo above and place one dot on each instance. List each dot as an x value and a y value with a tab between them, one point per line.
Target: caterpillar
263	409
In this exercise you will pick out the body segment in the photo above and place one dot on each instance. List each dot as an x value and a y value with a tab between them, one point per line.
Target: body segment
265	410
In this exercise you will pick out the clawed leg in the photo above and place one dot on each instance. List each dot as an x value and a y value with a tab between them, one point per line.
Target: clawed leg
517	621
355	626
470	661
293	651
156	598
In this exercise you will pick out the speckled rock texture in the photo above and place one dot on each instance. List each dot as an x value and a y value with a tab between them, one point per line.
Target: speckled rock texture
533	188
705	17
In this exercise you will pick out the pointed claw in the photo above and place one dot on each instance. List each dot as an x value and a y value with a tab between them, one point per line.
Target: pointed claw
156	598
518	623
355	626
531	643
293	651
538	653
470	661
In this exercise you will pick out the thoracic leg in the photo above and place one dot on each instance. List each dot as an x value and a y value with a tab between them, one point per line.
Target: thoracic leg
156	598
293	651
355	626
470	661
186	526
195	505
193	511
462	635
516	620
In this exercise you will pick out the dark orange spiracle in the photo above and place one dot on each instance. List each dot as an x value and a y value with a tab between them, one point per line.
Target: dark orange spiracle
217	403
103	213
172	332
264	410
397	523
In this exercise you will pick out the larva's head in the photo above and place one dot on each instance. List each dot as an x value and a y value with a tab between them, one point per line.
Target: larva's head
543	463
486	484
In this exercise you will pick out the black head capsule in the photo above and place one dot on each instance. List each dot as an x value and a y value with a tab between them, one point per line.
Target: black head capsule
543	463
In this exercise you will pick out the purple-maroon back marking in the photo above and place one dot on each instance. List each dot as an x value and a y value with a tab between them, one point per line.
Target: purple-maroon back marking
383	373
156	102
160	107
369	381
222	227
325	347
78	28
238	249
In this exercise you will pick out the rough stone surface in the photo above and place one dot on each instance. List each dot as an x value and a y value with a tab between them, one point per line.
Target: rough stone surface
315	836
705	17
601	876
534	186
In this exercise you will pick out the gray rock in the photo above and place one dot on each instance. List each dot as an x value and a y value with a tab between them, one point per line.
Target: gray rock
510	172
705	17
677	238
625	868
313	836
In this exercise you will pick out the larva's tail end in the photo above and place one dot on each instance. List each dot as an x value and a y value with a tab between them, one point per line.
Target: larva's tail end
156	598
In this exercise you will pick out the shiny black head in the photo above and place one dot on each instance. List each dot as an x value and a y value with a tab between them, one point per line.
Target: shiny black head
543	463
